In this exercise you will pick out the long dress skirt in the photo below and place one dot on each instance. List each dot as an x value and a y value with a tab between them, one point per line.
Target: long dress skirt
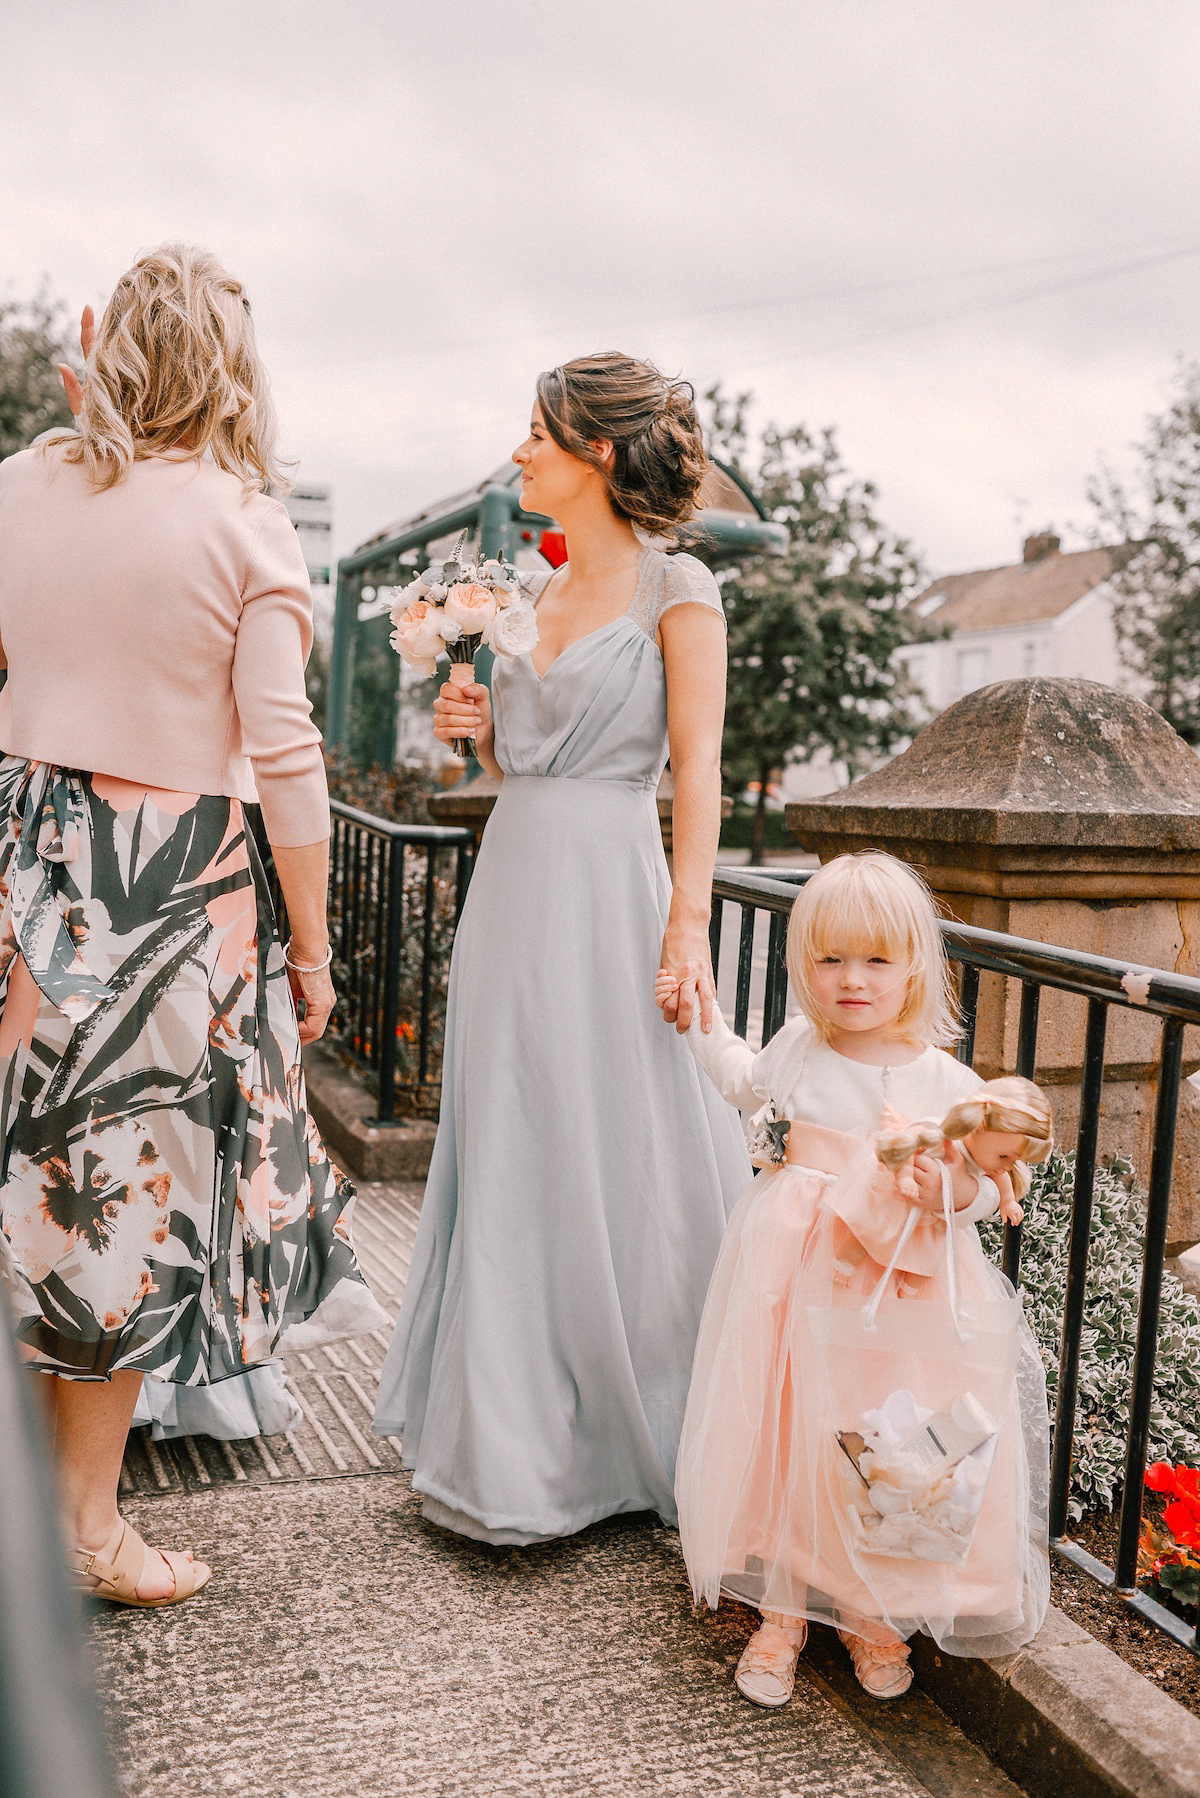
577	1194
167	1205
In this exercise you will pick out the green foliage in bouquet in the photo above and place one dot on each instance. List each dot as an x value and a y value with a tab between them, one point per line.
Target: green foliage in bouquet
1110	1326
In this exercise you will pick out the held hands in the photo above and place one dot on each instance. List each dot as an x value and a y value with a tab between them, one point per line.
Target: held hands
685	979
462	712
70	380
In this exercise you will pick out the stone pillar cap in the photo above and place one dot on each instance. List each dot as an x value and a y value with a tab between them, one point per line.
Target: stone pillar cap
1047	774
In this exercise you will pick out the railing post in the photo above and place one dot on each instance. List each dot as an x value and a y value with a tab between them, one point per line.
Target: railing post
1026	1063
1158	1201
775	995
393	941
714	936
968	1007
1077	1260
741	1005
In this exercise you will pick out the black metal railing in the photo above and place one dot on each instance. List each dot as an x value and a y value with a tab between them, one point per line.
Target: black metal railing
1175	999
395	895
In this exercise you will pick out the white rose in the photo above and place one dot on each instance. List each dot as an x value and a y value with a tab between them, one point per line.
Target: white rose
449	629
514	629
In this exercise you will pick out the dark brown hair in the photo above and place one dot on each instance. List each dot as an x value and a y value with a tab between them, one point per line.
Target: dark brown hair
658	452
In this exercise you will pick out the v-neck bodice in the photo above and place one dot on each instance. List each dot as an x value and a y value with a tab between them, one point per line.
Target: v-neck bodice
600	710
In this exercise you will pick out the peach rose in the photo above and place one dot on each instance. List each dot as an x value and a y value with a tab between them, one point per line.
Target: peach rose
416	636
472	606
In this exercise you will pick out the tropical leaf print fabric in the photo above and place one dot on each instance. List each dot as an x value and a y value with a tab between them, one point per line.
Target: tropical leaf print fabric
166	1202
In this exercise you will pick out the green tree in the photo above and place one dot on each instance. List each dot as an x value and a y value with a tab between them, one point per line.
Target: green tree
812	633
1155	523
33	338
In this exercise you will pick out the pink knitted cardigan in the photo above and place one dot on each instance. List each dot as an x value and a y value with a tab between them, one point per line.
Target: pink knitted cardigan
158	631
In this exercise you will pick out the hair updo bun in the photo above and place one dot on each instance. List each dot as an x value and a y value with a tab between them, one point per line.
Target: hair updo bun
658	461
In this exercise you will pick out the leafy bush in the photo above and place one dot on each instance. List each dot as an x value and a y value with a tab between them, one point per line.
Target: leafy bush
398	794
1109	1327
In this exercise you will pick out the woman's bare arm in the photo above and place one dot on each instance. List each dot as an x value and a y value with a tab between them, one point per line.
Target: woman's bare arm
304	879
693	646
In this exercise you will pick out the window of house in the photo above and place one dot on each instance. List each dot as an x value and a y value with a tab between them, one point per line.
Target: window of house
970	669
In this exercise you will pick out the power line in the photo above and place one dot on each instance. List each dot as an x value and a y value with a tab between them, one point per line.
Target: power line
1068	284
854	290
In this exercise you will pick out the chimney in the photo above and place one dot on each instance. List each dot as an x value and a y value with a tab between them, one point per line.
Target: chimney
1042	543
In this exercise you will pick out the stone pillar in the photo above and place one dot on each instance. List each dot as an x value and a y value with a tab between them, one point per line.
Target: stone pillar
1064	811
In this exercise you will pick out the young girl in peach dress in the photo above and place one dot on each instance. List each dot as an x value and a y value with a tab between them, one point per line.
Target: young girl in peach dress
865	1442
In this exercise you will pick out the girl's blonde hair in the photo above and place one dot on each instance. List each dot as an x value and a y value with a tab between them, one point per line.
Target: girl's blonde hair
175	371
872	904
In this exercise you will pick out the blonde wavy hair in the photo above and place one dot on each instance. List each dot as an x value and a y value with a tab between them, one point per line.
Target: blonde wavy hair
175	371
872	904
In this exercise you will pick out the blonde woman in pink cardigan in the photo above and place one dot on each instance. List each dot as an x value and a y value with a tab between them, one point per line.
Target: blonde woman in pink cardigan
166	1205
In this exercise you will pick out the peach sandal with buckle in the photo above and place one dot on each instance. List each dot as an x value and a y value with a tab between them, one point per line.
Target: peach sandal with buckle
117	1580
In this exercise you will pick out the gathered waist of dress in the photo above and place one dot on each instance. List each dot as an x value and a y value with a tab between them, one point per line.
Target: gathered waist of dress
639	788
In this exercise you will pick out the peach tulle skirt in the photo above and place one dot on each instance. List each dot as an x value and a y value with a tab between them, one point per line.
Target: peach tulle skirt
786	1358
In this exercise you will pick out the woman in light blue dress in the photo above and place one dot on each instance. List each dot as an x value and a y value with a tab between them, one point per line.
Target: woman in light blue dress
583	1168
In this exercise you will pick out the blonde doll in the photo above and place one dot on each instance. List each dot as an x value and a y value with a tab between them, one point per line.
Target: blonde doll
1003	1129
762	1472
1004	1124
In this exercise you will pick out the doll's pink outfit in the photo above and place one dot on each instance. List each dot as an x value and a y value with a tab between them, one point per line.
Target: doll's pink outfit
866	1201
785	1359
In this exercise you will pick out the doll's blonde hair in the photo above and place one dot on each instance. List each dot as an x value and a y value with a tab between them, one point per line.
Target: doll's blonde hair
175	371
872	904
1014	1105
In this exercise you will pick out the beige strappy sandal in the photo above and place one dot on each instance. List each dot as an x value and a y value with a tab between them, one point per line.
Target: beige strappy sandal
117	1580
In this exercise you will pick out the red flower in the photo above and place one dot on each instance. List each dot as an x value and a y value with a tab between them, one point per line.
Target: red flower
1182	1518
1160	1477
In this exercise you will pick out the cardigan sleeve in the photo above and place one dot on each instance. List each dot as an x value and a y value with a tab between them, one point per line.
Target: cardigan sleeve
274	637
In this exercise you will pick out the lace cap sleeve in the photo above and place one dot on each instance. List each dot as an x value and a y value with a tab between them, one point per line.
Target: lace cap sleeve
681	580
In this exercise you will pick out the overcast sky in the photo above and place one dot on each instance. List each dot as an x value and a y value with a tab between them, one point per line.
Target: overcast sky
884	215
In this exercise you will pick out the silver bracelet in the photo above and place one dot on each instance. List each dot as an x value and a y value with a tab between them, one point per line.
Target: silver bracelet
298	968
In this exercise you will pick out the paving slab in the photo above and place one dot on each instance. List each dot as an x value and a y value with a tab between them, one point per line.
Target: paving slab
348	1649
345	1646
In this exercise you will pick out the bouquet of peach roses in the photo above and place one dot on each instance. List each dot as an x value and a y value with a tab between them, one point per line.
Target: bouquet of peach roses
453	607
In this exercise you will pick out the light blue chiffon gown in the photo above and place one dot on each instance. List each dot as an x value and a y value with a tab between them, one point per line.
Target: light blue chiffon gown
584	1167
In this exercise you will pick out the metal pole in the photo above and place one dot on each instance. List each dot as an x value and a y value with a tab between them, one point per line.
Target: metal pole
341	660
1090	1095
389	1010
1158	1203
1027	1028
495	539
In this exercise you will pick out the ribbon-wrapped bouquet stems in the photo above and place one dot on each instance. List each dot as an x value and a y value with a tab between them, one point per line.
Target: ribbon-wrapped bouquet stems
452	608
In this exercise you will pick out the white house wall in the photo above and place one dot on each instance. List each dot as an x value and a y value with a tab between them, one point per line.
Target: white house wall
1080	642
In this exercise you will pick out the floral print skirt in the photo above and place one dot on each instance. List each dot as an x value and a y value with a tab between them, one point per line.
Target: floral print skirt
166	1203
